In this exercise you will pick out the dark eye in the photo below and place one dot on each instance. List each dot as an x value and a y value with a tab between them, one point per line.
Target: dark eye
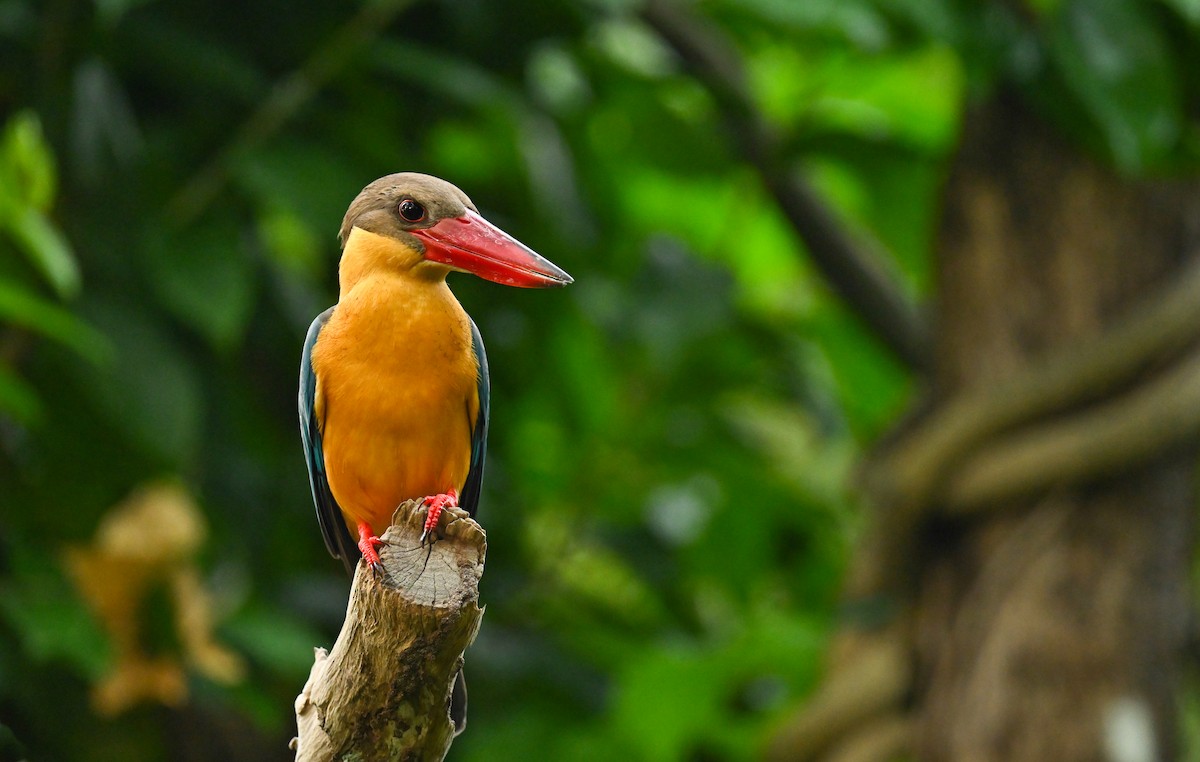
412	210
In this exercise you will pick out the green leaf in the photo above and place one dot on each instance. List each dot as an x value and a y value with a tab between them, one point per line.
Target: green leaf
28	162
27	188
1189	9
792	443
675	697
111	11
291	243
856	22
556	80
17	399
105	134
49	618
1046	7
309	181
274	639
631	45
23	308
46	249
151	394
759	249
934	19
588	374
870	384
449	76
204	278
590	576
1114	60
914	98
669	698
467	151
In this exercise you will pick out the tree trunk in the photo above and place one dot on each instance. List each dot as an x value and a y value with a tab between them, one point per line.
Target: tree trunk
1053	629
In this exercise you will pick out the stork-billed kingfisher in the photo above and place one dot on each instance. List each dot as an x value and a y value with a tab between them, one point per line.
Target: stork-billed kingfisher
394	380
394	388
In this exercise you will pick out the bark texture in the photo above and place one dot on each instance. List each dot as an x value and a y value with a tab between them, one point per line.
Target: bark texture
383	691
1022	590
1068	609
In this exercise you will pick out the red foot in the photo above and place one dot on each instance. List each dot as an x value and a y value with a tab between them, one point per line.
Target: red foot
366	543
436	503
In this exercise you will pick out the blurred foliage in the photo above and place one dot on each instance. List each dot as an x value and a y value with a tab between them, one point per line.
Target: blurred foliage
665	498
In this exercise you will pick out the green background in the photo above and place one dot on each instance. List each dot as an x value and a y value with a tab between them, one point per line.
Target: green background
666	503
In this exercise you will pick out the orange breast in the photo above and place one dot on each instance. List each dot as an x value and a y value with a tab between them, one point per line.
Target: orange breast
397	395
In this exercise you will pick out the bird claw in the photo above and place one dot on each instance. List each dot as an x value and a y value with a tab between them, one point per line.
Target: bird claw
367	542
436	504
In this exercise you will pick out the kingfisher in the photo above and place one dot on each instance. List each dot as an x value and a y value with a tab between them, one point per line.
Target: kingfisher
394	386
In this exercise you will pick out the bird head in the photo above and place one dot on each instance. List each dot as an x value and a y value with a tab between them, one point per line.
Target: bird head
434	222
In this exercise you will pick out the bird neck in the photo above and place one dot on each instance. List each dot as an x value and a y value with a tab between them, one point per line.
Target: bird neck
368	254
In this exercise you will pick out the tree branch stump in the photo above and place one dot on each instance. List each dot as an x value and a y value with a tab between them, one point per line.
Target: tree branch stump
383	691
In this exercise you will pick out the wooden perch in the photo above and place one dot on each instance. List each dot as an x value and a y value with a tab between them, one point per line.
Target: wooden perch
383	691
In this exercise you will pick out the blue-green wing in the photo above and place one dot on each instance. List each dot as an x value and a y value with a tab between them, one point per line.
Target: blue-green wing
469	500
329	514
